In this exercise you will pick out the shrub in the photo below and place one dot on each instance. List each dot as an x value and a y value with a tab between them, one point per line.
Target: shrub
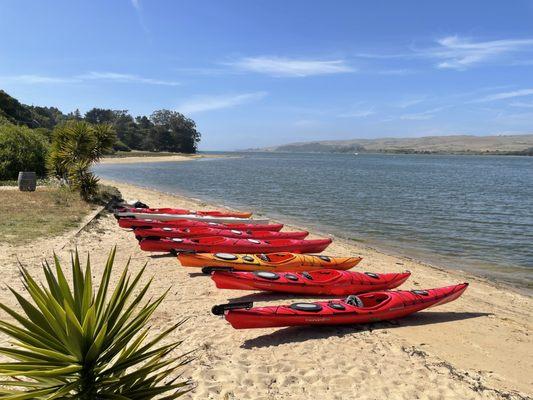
21	149
120	146
85	343
75	146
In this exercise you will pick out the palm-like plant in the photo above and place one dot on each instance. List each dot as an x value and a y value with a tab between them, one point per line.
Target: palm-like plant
76	145
83	343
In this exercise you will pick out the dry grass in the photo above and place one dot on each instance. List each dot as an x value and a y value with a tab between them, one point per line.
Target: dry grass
49	211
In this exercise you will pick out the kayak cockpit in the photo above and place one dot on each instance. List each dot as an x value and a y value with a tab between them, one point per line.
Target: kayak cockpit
368	300
322	276
276	258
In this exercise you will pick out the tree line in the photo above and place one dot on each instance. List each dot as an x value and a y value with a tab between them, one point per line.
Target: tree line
163	130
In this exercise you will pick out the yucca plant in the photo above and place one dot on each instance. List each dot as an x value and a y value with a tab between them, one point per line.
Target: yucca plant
83	180
76	145
79	342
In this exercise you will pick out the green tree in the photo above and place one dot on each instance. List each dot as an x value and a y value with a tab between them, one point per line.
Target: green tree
21	149
46	117
145	127
100	116
174	132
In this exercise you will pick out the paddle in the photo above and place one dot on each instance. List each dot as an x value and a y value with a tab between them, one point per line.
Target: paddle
221	308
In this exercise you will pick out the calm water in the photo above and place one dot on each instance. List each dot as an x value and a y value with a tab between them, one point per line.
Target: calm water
469	212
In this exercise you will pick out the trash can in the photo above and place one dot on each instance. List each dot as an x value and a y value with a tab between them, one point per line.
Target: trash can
27	181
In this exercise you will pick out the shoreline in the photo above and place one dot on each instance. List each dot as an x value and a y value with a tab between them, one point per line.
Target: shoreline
317	232
501	311
134	159
423	257
148	159
477	347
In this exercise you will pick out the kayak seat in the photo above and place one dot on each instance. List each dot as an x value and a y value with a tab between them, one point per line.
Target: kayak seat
371	300
263	257
324	277
276	258
354	300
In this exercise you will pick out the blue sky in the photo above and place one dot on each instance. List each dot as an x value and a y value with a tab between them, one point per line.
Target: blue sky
259	73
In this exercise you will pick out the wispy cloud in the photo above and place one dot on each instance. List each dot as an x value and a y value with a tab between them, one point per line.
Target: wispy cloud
424	115
396	72
384	56
410	101
360	109
119	77
36	79
288	67
504	95
521	104
138	10
208	103
89	76
459	53
358	113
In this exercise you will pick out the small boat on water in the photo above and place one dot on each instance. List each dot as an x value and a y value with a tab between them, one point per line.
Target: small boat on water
219	244
171	232
354	309
274	262
328	282
135	223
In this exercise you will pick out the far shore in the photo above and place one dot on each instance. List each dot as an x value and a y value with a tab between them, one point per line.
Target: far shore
154	158
148	159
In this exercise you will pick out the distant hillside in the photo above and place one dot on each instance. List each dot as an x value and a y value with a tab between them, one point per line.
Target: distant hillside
11	110
459	144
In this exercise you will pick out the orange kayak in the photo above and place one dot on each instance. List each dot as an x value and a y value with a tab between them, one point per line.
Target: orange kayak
275	262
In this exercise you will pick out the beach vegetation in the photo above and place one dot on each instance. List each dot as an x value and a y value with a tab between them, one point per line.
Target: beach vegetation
21	149
76	145
85	341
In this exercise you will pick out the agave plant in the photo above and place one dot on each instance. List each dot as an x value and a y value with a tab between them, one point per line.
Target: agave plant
81	343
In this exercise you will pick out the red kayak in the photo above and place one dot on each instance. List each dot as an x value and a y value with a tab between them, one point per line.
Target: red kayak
187	223
219	244
170	232
321	282
361	309
178	211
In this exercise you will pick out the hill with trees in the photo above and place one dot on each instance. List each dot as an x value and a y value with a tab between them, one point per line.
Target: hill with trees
163	130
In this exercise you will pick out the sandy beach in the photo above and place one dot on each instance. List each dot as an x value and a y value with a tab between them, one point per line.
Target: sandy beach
478	347
148	159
